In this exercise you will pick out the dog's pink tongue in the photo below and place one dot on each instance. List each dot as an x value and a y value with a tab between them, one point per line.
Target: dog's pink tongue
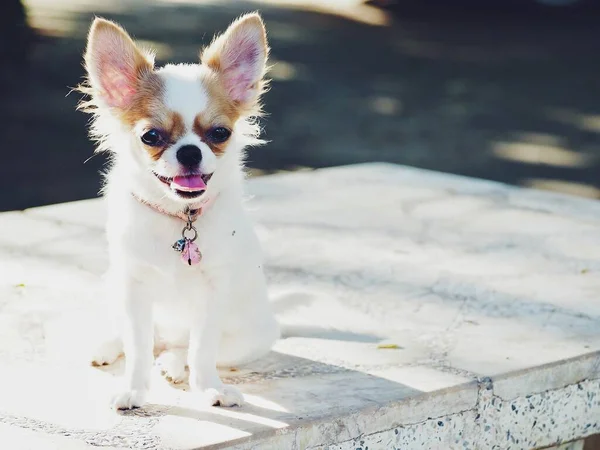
188	183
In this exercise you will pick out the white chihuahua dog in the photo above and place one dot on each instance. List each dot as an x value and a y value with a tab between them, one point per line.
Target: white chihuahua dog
185	264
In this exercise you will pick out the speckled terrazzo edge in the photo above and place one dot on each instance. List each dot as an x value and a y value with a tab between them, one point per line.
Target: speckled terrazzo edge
567	411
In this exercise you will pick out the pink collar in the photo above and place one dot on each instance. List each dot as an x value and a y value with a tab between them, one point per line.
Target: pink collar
188	215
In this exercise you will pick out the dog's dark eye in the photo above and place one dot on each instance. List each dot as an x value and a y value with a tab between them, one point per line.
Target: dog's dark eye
218	134
152	138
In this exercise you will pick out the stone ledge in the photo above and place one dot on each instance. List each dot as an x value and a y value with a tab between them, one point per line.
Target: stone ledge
532	421
438	299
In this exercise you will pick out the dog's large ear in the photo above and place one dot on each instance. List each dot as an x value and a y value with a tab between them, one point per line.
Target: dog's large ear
239	56
114	64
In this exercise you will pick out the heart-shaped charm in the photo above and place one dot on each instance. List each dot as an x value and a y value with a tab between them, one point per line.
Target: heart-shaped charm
190	254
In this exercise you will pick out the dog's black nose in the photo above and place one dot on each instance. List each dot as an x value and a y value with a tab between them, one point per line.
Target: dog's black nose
189	155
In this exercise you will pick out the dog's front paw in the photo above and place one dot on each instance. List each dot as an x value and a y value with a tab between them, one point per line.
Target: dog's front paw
223	396
129	399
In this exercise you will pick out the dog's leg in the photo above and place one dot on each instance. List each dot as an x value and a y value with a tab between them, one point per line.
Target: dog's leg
205	334
138	340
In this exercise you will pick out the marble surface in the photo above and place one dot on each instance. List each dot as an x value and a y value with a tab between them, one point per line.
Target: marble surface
420	310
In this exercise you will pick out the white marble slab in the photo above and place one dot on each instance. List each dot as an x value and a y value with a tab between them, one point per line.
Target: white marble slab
488	295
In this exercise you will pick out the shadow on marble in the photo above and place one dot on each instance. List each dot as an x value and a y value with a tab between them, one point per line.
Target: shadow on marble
281	390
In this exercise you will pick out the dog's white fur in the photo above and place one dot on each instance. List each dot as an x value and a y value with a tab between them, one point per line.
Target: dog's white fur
218	310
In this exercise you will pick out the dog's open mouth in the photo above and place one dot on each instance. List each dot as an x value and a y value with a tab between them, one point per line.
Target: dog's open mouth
186	186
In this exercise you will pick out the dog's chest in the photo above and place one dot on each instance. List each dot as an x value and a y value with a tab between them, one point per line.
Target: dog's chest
155	242
180	291
146	239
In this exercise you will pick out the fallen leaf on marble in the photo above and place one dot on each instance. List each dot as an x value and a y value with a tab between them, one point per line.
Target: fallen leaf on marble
388	346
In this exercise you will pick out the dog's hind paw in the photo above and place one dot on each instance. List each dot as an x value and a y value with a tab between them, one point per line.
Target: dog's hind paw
172	364
107	352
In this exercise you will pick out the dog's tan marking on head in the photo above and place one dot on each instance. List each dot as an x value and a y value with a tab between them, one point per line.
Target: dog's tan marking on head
176	127
147	102
221	111
148	106
171	126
